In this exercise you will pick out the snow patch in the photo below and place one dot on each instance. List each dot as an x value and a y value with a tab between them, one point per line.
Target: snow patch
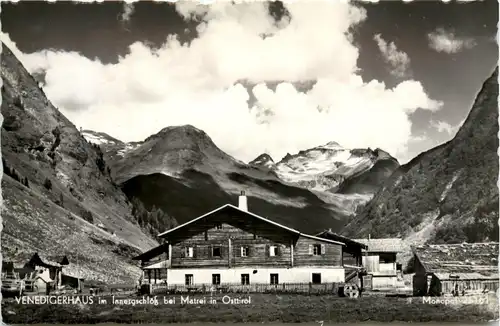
126	149
95	139
332	145
346	203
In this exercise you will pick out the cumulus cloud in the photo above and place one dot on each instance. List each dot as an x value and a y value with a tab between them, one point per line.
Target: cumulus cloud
446	41
206	83
399	60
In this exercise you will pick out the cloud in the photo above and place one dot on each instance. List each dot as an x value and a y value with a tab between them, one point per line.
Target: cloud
399	60
445	41
220	82
442	126
128	10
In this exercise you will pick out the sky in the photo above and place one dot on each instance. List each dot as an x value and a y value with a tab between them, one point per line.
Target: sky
262	77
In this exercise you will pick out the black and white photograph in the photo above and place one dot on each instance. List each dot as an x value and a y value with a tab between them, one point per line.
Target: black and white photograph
249	162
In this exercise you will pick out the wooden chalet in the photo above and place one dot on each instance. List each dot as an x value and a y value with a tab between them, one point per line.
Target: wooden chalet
455	269
352	255
231	245
380	260
42	267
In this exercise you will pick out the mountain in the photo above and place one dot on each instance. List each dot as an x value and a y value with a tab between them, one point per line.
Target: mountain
57	193
182	171
264	161
448	194
344	178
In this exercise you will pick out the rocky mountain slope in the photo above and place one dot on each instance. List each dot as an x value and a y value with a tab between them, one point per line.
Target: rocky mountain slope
447	194
57	193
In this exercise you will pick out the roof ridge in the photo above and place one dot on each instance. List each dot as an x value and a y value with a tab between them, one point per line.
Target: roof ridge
251	214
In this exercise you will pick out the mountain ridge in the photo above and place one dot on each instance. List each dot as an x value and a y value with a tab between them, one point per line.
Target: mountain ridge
448	193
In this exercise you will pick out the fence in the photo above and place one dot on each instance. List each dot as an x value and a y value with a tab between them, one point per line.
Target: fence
308	288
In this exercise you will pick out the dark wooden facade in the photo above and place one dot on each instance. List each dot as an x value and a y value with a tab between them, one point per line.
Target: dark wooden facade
230	237
352	252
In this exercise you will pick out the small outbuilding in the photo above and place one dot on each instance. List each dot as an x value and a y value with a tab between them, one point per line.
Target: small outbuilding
73	278
455	269
381	261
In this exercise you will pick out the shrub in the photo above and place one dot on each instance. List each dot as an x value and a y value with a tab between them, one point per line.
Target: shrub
47	184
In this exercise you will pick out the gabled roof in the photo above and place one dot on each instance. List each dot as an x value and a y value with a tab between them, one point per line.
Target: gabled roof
479	258
229	206
328	234
159	249
44	277
152	252
43	261
383	245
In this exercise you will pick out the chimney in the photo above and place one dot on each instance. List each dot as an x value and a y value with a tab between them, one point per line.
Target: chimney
242	202
369	236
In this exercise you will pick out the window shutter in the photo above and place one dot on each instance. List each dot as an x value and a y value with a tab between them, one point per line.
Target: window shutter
311	249
278	250
211	254
194	251
268	254
249	251
241	251
183	252
323	249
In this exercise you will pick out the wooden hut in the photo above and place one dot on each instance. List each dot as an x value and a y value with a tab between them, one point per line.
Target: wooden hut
381	261
72	278
455	269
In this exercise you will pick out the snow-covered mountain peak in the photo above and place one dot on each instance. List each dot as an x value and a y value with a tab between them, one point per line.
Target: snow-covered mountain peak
264	160
325	167
331	145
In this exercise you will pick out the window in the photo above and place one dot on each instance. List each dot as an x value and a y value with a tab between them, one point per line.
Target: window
273	251
189	252
189	279
316	278
216	252
245	279
317	250
245	251
218	226
274	279
216	279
